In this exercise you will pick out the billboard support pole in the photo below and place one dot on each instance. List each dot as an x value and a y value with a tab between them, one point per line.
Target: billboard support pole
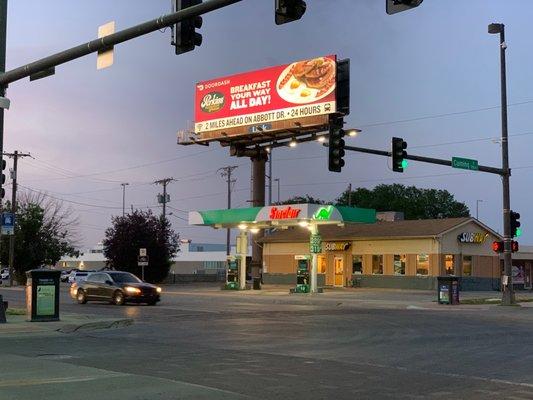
258	200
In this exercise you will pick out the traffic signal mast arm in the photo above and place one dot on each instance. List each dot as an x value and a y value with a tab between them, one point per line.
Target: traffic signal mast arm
106	42
430	160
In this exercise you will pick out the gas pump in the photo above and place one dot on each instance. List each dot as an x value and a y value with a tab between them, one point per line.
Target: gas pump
232	274
303	274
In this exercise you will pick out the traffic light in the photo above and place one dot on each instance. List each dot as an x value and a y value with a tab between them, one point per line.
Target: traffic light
3	178
514	246
399	161
289	10
515	224
396	6
336	145
497	247
184	35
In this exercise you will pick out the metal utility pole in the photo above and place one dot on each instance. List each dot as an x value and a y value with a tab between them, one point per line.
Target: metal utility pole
270	177
3	41
226	172
15	155
277	181
124	197
350	195
508	297
477	208
163	199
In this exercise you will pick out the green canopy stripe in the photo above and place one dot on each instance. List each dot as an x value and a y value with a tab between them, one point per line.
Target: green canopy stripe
354	214
231	216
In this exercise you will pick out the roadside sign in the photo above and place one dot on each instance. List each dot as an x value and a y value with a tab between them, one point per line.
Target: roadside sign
315	243
8	223
142	261
142	252
464	163
104	58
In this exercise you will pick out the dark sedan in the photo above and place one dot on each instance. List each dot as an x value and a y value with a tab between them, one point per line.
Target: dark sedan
117	287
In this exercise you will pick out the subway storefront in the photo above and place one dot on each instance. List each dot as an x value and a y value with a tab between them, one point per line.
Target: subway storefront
389	254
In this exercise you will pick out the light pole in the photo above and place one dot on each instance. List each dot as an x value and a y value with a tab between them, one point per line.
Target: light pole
277	181
508	297
477	208
124	197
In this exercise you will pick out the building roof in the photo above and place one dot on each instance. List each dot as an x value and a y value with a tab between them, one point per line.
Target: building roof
381	229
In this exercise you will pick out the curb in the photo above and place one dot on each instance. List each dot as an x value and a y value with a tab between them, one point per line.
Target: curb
91	326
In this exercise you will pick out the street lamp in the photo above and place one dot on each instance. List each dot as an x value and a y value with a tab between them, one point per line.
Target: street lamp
508	297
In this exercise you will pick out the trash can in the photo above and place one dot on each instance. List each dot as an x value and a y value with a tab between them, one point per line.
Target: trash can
257	283
42	295
448	290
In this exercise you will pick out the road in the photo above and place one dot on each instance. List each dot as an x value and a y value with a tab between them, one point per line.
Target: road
205	343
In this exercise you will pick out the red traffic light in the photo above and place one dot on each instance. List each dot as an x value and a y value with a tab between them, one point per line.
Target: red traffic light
497	247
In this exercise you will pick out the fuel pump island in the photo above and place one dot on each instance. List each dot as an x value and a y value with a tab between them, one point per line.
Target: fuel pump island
254	219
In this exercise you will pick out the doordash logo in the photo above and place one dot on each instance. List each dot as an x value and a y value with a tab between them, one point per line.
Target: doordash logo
284	213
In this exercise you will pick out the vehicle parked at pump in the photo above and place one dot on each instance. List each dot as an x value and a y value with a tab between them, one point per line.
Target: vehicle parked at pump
65	274
118	287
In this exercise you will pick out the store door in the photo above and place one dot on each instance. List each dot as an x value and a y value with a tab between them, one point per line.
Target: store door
339	272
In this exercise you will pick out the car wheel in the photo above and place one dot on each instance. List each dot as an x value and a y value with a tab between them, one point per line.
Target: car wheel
81	296
118	298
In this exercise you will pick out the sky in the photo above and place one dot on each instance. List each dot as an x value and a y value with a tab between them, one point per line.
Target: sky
430	76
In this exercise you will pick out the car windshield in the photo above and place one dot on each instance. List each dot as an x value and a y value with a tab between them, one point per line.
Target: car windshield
125	277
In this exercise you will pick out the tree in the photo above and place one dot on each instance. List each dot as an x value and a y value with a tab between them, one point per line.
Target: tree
416	203
301	200
141	229
44	232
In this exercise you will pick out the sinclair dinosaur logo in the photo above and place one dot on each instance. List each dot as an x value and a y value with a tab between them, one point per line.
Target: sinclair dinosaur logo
323	213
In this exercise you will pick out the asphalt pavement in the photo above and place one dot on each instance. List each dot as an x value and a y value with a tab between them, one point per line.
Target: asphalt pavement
201	342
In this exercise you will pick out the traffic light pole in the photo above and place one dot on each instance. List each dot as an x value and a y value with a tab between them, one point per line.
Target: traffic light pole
508	297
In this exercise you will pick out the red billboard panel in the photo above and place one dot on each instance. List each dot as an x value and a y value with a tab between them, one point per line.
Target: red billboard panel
300	94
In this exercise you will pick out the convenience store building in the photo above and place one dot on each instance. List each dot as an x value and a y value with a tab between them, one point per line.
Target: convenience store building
389	254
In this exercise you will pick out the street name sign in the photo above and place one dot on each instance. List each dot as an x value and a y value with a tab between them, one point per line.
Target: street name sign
465	163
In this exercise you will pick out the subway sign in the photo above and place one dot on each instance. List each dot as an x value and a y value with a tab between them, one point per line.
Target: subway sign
336	246
472	237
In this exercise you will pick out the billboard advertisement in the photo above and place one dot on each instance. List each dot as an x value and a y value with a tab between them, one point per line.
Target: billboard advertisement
300	94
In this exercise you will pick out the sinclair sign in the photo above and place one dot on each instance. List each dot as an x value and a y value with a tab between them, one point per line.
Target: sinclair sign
300	94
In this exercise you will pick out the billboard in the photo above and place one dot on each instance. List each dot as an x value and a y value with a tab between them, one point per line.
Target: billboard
300	94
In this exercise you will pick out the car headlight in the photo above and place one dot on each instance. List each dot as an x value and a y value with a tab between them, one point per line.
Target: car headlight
158	289
132	290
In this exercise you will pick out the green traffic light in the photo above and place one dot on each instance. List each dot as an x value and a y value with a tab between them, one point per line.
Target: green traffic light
518	232
405	163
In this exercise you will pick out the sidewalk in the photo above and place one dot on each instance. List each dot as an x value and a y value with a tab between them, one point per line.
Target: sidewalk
69	323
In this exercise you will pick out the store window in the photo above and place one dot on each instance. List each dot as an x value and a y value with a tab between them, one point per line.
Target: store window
357	265
377	264
467	265
448	264
399	264
422	264
322	264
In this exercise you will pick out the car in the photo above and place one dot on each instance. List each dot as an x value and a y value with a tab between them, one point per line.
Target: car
4	274
118	287
77	276
65	275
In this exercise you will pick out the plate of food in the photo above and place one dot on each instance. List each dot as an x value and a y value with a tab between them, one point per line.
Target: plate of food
307	81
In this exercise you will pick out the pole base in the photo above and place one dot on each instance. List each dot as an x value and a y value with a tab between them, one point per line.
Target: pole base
508	298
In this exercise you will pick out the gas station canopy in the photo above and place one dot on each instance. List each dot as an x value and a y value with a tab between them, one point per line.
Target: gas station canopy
282	216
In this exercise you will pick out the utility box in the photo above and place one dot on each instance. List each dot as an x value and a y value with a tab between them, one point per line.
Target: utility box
448	290
42	295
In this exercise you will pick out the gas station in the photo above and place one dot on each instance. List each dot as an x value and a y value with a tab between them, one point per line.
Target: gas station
253	220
